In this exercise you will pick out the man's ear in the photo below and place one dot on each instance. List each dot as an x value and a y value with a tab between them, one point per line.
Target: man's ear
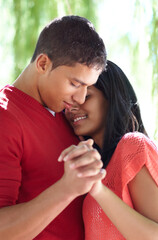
43	63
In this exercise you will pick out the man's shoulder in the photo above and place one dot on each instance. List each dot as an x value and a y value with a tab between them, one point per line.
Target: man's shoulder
8	115
4	98
6	104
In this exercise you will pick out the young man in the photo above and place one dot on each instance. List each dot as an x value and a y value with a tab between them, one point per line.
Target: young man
39	197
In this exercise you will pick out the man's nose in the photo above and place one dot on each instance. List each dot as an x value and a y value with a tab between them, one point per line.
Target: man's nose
80	96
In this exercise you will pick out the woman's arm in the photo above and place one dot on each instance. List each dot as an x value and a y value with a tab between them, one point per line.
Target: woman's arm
138	224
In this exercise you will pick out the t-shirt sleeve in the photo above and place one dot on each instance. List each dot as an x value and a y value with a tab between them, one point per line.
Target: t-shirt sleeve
10	158
138	151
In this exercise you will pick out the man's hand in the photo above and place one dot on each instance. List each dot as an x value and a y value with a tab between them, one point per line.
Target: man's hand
83	168
64	156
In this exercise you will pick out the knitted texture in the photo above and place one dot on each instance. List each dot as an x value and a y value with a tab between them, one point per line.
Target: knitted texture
133	152
31	140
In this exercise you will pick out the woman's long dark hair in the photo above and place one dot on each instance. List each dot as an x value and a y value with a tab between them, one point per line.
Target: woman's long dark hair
123	113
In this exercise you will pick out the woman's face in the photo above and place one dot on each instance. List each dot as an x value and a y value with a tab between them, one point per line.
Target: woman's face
89	118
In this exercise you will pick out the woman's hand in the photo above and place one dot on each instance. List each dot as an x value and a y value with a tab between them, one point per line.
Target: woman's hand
82	168
98	186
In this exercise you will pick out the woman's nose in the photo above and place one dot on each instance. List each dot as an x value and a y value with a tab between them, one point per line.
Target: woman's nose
74	108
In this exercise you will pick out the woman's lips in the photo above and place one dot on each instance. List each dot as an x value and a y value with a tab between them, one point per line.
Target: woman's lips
78	119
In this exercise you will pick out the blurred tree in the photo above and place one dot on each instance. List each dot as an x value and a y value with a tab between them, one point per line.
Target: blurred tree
152	36
144	32
30	16
153	48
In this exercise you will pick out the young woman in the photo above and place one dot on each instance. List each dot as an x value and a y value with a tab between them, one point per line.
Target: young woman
125	204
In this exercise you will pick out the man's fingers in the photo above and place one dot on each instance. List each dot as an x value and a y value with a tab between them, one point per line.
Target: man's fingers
65	152
88	142
90	170
75	151
79	150
92	157
93	175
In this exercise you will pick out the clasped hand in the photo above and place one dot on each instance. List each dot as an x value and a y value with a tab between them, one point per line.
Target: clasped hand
82	168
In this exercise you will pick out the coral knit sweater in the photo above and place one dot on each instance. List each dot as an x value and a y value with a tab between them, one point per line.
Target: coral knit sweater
31	140
133	152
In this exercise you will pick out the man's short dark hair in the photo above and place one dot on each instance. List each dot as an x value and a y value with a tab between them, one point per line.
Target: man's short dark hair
69	40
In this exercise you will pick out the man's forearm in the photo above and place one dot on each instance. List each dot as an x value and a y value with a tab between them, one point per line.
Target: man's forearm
25	221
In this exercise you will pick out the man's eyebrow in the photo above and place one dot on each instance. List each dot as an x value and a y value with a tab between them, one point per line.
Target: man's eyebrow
79	81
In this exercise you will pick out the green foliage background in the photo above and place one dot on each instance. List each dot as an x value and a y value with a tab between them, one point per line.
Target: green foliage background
22	20
30	17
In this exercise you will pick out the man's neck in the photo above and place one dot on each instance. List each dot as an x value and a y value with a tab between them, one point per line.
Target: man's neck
27	82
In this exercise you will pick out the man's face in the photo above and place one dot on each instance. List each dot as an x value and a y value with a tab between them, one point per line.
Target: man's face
63	86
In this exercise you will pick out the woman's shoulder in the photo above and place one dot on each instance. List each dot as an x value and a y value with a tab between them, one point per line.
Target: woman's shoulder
135	136
137	139
137	147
